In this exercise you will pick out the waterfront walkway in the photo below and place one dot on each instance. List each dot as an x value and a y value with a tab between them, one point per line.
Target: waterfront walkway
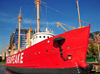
96	66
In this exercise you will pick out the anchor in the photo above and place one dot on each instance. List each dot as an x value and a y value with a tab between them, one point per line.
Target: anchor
59	39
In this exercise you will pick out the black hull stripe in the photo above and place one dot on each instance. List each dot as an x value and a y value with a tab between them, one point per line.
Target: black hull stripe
75	70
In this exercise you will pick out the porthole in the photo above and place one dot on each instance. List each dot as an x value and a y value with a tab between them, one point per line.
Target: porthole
52	49
68	47
39	36
43	36
47	36
48	41
46	50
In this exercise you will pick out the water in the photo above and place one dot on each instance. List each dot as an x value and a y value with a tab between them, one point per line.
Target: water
3	70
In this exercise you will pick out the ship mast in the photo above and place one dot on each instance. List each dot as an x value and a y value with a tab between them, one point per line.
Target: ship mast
19	17
37	2
78	14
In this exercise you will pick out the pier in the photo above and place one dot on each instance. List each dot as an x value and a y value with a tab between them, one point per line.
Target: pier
95	69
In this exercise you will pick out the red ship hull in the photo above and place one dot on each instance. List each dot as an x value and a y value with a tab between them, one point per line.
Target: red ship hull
47	56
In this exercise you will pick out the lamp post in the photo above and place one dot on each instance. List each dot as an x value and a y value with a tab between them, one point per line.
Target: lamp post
98	52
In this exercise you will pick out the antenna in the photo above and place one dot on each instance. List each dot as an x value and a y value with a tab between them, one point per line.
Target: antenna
20	10
47	24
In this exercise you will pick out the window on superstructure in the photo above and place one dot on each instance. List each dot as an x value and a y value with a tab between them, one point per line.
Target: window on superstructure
47	36
43	36
36	36
39	36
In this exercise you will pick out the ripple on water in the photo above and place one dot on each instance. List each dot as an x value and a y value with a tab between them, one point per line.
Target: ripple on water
3	70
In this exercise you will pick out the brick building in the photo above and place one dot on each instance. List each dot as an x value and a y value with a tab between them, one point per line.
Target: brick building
95	37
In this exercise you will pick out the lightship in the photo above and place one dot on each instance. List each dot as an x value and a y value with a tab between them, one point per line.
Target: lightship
46	53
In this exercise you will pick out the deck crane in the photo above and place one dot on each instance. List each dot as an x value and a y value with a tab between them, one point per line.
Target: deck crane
58	23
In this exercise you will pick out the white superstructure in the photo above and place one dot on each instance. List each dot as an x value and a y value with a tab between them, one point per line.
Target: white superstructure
38	37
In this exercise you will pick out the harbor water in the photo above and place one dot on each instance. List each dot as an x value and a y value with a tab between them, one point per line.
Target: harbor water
3	70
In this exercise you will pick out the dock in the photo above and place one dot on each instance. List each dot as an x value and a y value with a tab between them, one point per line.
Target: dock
96	67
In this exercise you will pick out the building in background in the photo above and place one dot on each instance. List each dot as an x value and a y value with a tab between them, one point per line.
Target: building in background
0	57
14	38
95	37
3	55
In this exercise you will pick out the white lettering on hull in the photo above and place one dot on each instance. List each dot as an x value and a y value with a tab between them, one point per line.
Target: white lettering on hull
15	59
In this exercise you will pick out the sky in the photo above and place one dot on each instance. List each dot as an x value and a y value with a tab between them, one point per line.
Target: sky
9	10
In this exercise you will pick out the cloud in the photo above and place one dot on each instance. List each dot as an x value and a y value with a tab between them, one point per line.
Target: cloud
27	21
8	20
4	15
